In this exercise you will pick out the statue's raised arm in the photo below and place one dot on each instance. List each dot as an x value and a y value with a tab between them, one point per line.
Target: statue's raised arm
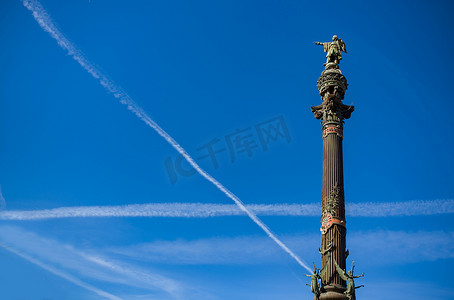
334	50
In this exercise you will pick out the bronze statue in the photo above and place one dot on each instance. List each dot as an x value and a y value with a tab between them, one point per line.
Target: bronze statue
350	291
334	50
318	274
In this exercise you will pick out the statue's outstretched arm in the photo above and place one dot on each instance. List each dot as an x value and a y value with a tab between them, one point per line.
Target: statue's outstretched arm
360	286
359	276
318	43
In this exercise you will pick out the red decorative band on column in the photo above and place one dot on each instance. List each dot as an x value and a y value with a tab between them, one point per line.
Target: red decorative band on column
332	129
328	220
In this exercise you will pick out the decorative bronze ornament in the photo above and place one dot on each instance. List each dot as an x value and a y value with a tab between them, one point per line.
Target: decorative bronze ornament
333	129
328	220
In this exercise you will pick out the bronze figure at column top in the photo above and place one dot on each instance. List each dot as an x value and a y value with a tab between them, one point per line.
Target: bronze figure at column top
334	50
332	86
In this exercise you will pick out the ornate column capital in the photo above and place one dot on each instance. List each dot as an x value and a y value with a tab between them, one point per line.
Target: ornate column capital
332	86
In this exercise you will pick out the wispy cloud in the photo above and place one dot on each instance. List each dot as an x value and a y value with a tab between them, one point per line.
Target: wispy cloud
200	210
397	289
64	260
62	274
2	200
46	23
222	251
407	247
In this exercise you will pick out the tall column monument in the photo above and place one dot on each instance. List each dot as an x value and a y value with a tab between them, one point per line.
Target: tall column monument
332	113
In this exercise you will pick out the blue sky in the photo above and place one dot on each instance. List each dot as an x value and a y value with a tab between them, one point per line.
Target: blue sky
91	209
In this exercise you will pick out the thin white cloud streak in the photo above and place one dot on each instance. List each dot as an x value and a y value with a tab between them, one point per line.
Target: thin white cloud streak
396	209
200	210
46	23
139	278
88	264
406	247
175	210
2	200
62	274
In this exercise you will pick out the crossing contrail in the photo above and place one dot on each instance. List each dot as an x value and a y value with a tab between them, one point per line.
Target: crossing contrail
46	23
208	210
61	274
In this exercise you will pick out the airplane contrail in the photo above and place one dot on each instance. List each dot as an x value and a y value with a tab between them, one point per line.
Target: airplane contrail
208	210
62	274
172	210
46	23
405	208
